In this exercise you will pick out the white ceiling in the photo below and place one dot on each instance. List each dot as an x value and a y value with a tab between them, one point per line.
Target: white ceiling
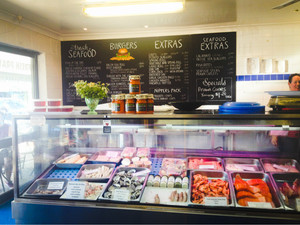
65	19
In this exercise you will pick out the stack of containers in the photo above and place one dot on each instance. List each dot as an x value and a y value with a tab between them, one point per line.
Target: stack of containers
50	105
54	105
134	102
39	105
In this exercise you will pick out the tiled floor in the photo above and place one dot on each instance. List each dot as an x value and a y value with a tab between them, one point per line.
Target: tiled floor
5	213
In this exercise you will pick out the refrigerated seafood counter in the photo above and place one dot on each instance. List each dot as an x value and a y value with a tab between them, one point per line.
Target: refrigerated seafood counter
158	168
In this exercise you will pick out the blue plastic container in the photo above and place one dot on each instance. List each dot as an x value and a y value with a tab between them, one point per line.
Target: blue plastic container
241	108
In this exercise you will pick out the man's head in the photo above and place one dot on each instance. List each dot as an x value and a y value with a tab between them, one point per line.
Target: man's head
294	82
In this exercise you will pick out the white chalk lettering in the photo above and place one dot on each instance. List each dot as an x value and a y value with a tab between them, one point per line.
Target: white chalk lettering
168	44
84	51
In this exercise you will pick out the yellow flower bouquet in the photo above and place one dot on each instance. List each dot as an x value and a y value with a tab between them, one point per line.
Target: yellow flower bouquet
92	92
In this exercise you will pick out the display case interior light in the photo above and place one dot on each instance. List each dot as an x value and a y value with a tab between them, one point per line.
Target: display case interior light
133	8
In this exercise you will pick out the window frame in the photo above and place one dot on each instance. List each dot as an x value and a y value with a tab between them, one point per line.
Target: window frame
7	142
30	53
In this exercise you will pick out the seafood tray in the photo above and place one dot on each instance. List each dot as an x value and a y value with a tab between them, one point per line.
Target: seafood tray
126	185
165	196
59	173
242	165
47	187
173	166
280	165
68	160
218	201
136	162
143	152
95	172
287	186
106	156
256	177
128	152
205	163
92	191
156	164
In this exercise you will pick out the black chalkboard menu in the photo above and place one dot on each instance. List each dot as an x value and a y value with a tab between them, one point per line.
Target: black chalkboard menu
200	67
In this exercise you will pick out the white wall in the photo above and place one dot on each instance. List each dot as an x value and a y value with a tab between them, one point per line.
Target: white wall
279	42
49	62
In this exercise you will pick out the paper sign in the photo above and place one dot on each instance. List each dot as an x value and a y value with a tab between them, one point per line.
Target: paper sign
107	123
55	185
280	167
215	201
297	204
245	167
265	205
206	167
121	195
106	126
106	129
75	190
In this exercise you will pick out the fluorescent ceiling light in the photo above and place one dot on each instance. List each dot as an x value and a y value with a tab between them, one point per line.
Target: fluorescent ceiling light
134	8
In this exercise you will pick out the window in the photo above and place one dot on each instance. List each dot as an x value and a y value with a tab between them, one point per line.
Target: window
18	79
18	86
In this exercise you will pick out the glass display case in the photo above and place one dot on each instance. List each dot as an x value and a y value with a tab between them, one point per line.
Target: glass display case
156	168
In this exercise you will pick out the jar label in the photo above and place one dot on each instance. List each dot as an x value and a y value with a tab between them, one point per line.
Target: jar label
130	107
141	107
134	88
117	107
150	107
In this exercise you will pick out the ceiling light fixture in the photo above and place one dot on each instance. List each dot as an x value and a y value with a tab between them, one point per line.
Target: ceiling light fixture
133	8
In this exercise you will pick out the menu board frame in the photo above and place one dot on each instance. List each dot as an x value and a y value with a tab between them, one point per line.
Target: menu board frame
198	67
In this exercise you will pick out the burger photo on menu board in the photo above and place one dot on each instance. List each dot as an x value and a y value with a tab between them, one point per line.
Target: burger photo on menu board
122	55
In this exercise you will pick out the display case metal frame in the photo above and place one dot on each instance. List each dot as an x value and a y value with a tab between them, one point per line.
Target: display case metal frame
30	210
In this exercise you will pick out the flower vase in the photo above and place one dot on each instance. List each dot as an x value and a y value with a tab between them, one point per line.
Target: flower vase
92	104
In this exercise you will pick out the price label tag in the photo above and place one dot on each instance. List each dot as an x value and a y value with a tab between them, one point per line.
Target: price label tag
75	190
215	201
245	167
297	204
112	154
55	185
106	126
285	169
206	167
121	195
265	205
